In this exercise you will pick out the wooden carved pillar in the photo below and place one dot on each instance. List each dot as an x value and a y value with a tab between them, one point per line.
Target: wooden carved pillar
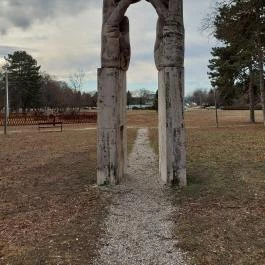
169	57
115	58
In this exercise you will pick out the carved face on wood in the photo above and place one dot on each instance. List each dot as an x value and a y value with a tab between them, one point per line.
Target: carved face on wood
169	46
116	50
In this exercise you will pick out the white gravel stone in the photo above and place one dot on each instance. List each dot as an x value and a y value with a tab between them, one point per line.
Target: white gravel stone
139	228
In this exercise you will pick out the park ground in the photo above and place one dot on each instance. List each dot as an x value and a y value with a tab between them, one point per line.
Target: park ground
51	211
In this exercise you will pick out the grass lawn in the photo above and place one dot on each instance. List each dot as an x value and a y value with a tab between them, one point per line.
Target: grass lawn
50	208
222	211
195	118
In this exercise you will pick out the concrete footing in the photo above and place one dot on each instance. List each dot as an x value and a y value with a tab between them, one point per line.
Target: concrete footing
172	151
112	135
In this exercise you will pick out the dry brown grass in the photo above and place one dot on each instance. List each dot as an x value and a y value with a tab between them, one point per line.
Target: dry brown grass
142	118
206	118
149	118
222	212
50	210
195	118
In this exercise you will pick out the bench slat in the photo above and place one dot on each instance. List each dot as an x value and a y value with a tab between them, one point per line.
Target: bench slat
47	125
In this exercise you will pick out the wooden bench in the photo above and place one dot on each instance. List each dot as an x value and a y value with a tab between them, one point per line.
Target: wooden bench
49	125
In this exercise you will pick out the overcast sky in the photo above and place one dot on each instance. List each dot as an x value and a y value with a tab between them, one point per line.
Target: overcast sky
64	35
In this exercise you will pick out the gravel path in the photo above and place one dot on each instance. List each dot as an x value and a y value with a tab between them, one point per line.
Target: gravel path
138	228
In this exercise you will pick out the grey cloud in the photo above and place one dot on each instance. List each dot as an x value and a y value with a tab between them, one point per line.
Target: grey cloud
23	22
4	50
23	13
3	31
55	60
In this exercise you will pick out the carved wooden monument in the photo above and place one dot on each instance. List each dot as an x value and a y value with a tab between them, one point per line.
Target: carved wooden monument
115	58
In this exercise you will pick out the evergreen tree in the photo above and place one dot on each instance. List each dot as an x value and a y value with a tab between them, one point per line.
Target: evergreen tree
223	72
129	98
241	24
24	80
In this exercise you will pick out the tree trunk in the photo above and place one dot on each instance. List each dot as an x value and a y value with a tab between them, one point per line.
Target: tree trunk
262	86
251	97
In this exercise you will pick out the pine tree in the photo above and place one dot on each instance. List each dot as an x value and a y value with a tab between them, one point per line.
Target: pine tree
24	80
129	98
241	24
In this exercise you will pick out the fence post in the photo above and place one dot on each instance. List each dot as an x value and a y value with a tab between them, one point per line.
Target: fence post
6	105
216	108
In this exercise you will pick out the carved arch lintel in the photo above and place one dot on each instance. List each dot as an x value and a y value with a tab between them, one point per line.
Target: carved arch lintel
169	46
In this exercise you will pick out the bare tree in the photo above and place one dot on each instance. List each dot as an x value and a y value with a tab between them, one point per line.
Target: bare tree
78	79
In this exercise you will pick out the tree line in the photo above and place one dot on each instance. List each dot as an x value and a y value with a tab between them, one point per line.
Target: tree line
143	98
203	97
237	67
31	89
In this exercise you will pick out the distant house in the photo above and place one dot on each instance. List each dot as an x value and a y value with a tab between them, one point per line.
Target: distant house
141	99
149	99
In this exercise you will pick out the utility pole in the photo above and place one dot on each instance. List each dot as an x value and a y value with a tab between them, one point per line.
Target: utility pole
216	110
6	105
